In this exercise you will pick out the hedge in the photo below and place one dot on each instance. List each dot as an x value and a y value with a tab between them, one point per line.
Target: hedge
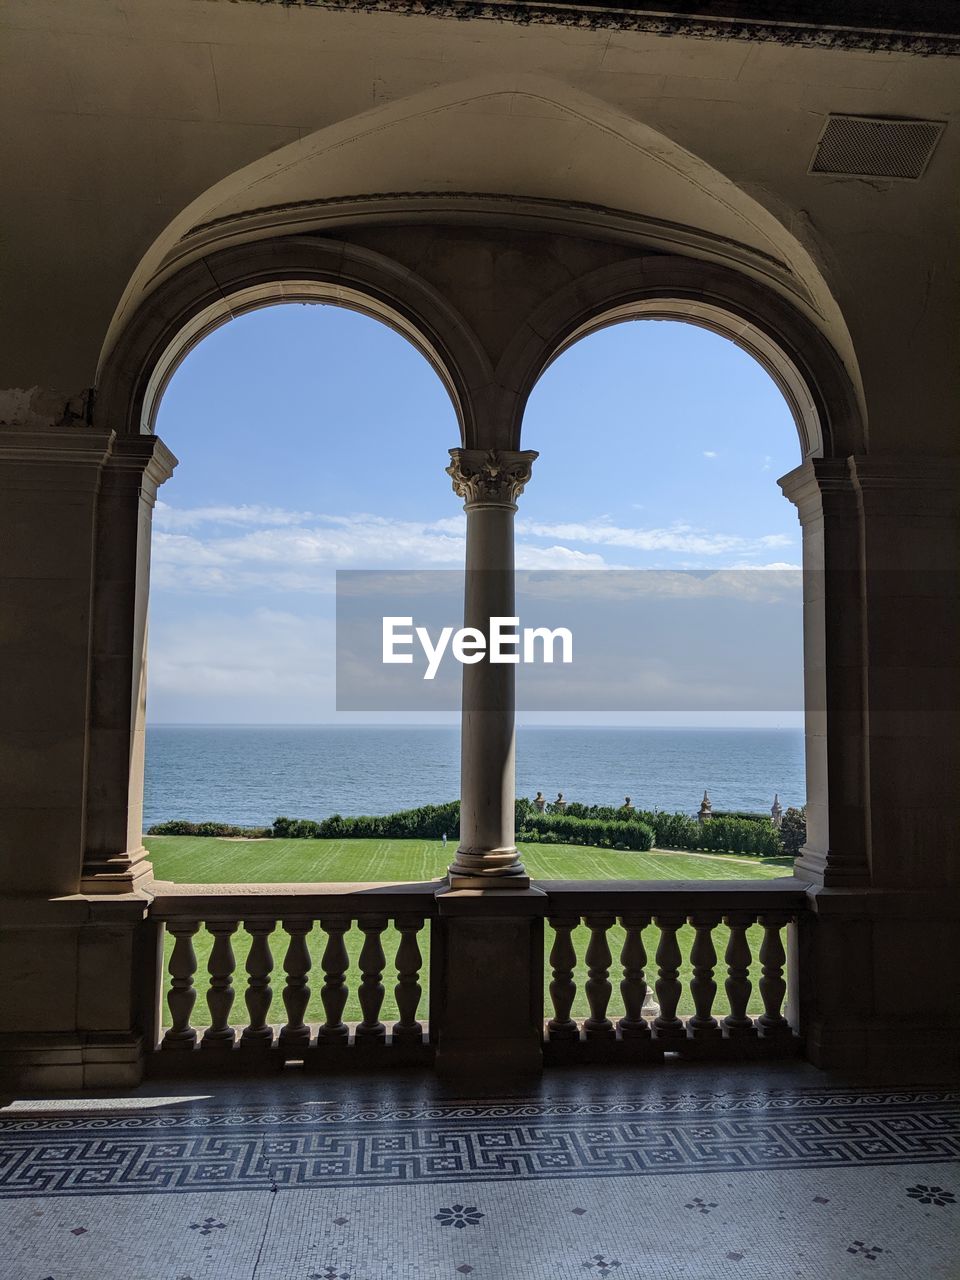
428	822
180	828
601	833
597	825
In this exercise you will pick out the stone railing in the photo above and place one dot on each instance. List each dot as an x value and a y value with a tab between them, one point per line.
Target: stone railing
661	930
373	944
289	927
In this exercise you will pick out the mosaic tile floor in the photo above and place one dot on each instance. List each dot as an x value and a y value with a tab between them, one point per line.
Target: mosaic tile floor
643	1177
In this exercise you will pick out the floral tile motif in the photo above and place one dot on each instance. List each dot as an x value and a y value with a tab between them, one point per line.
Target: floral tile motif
78	1231
601	1266
331	1273
459	1216
931	1195
701	1206
207	1226
465	1268
862	1250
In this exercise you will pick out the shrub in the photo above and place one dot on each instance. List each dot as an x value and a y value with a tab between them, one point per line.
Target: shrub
178	827
793	832
567	828
428	822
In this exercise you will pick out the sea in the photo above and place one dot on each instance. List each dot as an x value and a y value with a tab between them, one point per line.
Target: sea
250	775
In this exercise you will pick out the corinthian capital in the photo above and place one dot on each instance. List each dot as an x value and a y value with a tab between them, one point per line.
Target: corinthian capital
494	476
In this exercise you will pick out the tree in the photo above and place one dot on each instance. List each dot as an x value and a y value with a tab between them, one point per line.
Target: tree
793	830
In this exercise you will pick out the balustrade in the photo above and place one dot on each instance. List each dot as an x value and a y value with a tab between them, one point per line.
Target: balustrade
352	966
366	941
685	942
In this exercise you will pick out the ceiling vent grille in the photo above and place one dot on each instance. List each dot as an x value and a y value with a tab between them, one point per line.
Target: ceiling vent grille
866	147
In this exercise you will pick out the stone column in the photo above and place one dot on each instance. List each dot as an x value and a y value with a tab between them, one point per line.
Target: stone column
50	477
910	509
835	853
114	857
77	995
490	483
882	630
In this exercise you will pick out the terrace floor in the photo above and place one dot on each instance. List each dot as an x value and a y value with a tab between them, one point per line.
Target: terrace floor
682	1170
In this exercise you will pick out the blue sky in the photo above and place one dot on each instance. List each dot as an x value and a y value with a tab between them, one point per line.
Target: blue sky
312	438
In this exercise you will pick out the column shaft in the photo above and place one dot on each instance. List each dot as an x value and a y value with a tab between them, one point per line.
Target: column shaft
114	856
487	855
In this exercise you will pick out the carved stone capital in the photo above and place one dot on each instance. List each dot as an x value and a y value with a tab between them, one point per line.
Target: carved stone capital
490	477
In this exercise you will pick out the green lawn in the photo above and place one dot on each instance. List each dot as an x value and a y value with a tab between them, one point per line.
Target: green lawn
202	860
195	860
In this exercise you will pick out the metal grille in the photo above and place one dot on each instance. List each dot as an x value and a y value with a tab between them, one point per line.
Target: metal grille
864	147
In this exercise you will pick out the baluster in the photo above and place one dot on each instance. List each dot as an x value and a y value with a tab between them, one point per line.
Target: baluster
181	997
703	988
259	993
220	1035
633	988
335	963
563	988
738	985
667	1026
773	1025
295	1034
598	1026
408	990
372	960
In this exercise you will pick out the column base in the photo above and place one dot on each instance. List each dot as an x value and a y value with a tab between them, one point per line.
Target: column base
830	869
464	880
125	873
488	869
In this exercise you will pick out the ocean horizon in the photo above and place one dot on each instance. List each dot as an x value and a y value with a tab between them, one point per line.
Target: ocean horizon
251	774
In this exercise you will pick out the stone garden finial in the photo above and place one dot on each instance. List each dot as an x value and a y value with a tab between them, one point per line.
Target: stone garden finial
627	802
559	804
706	808
776	811
539	801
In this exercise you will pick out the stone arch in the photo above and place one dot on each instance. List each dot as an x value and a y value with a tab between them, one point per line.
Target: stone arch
831	426
200	297
792	350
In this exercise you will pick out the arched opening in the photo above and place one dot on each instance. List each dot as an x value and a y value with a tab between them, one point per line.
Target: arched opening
311	439
366	288
661	438
660	446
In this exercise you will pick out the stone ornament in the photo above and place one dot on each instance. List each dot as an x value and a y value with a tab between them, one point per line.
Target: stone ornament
490	476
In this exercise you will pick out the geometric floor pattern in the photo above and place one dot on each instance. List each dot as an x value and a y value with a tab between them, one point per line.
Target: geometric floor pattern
753	1176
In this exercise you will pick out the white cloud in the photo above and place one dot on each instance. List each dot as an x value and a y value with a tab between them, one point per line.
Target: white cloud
172	518
782	566
678	538
222	549
710	453
290	556
266	654
531	557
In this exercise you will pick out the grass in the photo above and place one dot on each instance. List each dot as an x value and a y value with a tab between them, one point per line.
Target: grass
196	860
203	860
